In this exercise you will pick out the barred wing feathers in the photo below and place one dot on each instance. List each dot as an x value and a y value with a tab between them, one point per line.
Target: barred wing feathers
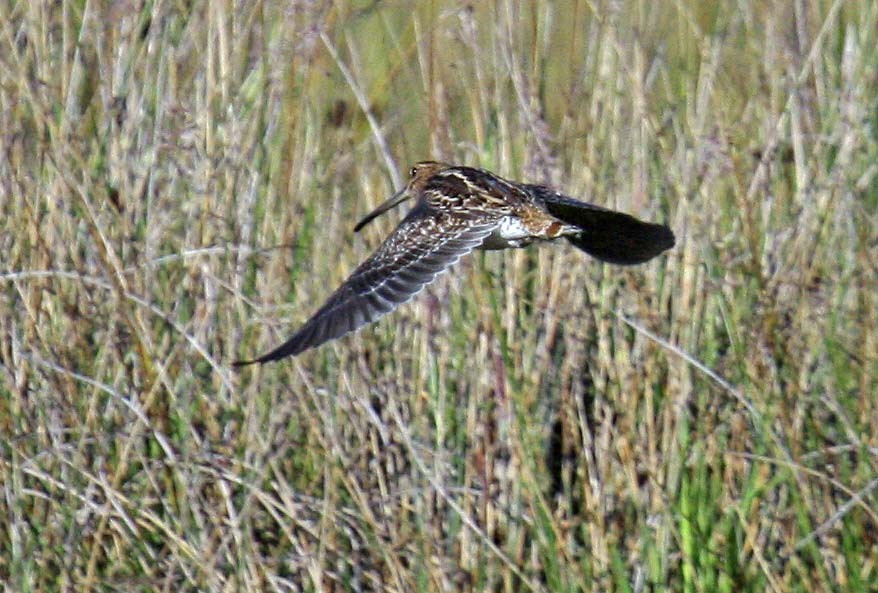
424	245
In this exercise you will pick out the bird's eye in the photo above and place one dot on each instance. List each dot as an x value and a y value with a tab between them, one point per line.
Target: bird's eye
414	171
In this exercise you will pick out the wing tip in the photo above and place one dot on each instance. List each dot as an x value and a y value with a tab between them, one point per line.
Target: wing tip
292	347
243	363
649	241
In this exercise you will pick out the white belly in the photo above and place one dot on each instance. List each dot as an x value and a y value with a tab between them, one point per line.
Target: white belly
510	233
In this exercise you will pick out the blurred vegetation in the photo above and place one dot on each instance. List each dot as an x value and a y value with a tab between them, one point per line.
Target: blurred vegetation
178	185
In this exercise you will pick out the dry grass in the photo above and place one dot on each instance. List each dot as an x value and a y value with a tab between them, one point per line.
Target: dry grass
177	188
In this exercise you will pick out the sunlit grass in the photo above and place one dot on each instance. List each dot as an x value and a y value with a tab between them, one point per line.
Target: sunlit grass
178	188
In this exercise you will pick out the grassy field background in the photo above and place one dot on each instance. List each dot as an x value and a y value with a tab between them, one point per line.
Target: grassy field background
178	186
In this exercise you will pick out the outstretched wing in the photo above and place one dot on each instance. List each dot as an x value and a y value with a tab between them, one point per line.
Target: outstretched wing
425	244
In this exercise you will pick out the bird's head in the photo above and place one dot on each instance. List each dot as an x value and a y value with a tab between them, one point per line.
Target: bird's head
419	175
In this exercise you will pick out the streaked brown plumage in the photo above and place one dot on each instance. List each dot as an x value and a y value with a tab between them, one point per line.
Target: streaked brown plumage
459	209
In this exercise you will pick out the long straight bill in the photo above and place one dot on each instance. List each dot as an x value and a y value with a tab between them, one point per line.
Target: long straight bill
394	200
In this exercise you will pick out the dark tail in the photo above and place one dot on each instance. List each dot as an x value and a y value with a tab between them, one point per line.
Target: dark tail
610	236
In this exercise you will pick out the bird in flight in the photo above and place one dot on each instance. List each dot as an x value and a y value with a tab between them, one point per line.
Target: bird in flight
459	209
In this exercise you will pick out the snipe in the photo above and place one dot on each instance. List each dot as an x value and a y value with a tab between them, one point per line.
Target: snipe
459	209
